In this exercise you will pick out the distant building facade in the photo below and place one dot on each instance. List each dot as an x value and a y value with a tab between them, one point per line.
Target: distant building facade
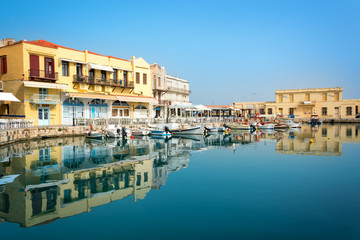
159	89
178	95
302	103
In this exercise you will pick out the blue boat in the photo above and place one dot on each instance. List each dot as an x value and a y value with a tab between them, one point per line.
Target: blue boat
160	133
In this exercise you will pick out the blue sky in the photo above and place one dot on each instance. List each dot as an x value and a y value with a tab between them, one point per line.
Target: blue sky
228	50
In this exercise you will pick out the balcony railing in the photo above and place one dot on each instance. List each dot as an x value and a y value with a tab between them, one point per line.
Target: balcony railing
44	99
36	74
160	88
179	90
103	82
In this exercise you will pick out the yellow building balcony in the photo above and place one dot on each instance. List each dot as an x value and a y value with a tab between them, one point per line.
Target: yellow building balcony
41	75
44	99
103	82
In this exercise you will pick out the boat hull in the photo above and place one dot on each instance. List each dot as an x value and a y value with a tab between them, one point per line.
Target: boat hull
159	133
239	127
189	131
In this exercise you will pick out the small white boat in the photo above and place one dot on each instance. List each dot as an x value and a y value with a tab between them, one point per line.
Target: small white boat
266	126
113	131
140	132
213	129
241	126
93	134
189	131
293	124
221	129
158	132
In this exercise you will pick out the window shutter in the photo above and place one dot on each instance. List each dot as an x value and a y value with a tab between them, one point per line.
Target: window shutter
4	65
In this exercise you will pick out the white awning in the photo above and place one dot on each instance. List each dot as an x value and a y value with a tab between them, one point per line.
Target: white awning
69	60
136	99
201	107
100	67
45	85
122	69
4	96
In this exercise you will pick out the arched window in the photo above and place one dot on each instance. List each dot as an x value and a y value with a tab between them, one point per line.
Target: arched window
141	107
72	102
120	104
120	109
98	102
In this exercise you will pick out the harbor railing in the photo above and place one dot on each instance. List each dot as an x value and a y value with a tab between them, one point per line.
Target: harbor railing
144	121
15	123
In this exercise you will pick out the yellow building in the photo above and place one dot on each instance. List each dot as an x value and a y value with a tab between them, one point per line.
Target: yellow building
302	103
57	84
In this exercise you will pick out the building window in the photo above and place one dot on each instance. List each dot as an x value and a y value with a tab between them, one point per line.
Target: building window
269	110
307	97
137	78
43	93
356	109
280	98
348	111
138	180
144	79
67	195
65	68
348	132
3	63
115	74
146	176
125	76
103	75
262	111
336	96
324	111
291	97
291	111
324	97
324	132
281	111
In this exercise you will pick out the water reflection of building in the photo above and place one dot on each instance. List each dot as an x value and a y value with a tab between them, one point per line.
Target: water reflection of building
323	140
31	201
57	178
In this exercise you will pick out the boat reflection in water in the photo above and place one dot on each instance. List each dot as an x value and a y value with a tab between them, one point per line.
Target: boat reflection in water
42	181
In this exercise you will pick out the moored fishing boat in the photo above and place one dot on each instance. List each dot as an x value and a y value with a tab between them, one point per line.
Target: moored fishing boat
241	126
140	132
93	134
281	126
266	126
113	131
293	124
159	132
189	131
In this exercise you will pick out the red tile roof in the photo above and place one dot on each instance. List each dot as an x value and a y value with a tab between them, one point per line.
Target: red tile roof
44	43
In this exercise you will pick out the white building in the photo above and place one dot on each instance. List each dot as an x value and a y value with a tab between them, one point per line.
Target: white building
178	96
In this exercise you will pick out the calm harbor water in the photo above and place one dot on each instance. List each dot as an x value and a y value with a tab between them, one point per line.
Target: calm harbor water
260	185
